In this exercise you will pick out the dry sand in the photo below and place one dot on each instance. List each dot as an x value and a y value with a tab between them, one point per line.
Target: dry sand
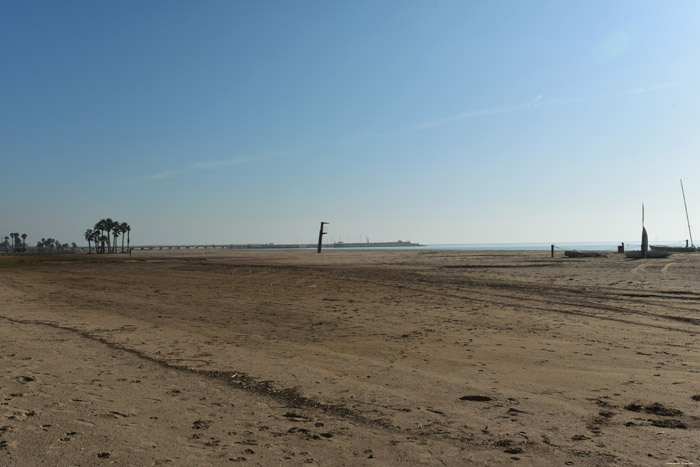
349	358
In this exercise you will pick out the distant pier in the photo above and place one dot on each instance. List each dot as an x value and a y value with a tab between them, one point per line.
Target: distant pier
278	246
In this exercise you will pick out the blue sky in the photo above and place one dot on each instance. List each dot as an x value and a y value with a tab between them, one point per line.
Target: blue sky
437	122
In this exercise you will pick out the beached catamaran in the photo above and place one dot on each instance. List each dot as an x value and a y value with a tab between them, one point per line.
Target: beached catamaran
680	249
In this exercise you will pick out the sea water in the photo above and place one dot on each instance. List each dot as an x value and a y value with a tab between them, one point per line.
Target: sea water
598	246
601	246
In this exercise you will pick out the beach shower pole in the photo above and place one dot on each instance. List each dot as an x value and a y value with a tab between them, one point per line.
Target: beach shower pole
321	233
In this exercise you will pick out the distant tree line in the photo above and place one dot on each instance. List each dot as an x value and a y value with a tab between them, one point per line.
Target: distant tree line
16	244
104	236
51	244
13	244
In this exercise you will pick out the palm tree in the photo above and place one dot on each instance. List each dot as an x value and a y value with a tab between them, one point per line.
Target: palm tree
107	227
100	227
88	237
122	228
115	233
24	241
103	225
7	243
97	229
109	224
95	238
128	237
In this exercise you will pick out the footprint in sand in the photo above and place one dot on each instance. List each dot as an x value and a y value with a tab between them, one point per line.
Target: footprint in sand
162	461
200	425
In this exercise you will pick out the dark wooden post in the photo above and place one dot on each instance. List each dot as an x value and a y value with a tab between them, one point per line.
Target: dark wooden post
552	251
321	233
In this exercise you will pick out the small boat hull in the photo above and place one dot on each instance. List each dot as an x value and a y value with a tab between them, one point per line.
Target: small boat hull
650	254
674	249
583	254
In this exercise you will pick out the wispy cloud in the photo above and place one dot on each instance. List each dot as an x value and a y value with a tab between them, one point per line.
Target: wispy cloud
472	114
220	163
217	164
644	90
161	175
538	102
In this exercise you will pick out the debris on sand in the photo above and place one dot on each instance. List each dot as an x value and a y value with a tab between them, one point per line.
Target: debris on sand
475	398
669	424
656	409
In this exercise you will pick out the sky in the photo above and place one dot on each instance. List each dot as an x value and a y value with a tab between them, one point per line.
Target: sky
430	121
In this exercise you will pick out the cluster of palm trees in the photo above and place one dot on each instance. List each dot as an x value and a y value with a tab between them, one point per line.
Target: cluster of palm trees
16	244
12	243
51	244
100	236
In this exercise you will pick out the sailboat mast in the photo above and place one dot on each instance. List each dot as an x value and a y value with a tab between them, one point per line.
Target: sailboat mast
645	238
686	215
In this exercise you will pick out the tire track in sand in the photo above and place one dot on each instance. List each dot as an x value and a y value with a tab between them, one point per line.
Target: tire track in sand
642	267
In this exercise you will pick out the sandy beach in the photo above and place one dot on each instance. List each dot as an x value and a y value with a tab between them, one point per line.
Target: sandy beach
349	358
